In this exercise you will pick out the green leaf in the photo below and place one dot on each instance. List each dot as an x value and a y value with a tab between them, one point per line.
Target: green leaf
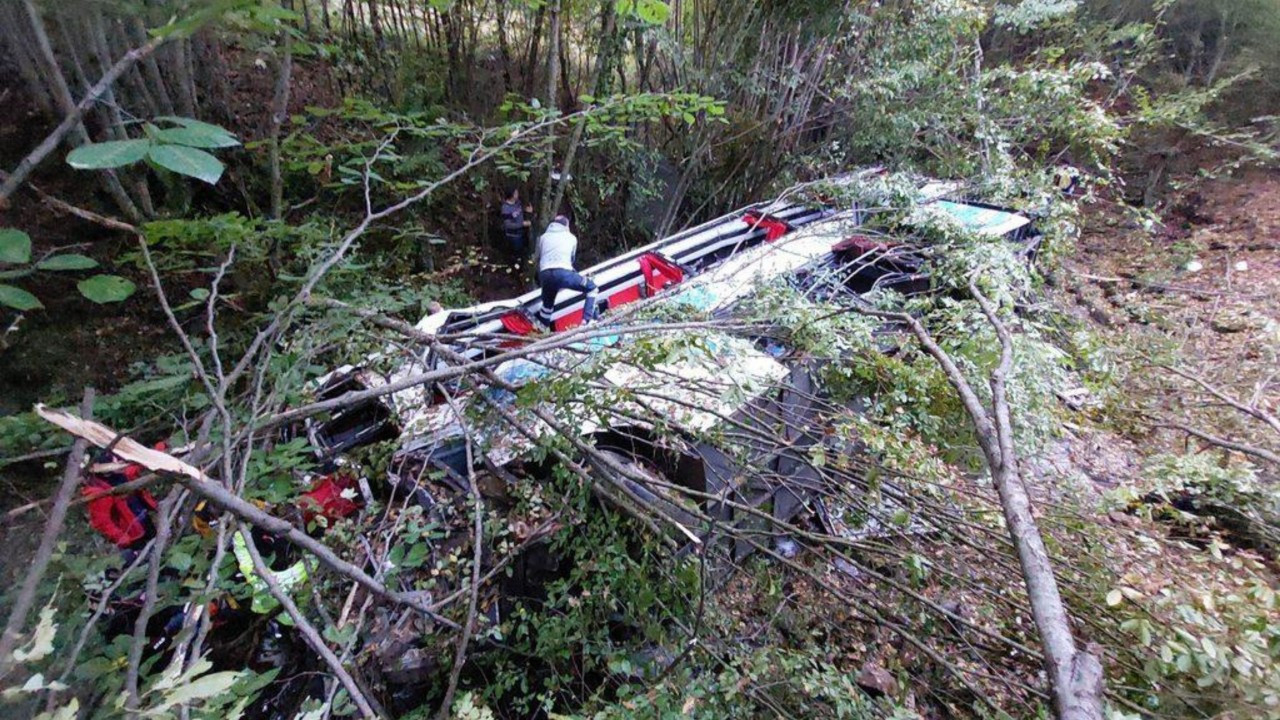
15	246
114	154
194	124
200	137
200	689
42	641
187	161
18	299
104	289
67	261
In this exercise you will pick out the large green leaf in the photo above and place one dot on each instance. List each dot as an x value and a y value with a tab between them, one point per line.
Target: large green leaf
67	261
187	161
15	246
17	298
194	124
104	289
208	136
114	154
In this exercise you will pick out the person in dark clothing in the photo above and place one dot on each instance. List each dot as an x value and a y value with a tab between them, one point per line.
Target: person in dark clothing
515	224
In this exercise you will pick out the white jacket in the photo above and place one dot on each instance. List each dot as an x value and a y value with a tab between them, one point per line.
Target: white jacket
557	248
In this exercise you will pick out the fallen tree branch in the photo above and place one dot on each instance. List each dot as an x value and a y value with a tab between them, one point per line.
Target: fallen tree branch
62	206
305	627
164	526
1221	442
199	483
1075	675
44	553
1256	413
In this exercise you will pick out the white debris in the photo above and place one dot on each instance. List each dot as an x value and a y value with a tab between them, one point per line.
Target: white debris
1241	266
1194	266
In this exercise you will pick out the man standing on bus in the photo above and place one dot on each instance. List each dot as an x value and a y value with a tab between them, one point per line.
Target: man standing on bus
557	251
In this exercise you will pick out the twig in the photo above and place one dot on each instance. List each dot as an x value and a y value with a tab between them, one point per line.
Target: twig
1222	442
164	526
460	657
304	626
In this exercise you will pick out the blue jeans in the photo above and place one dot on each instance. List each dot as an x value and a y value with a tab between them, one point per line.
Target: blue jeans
518	240
556	279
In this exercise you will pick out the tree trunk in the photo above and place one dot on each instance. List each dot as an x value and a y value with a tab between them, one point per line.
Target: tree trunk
279	111
453	50
154	78
547	210
599	85
116	40
184	86
531	58
24	55
504	47
1075	676
67	105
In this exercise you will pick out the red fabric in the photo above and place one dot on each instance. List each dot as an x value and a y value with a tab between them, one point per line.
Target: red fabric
659	272
111	514
773	227
325	498
133	472
517	323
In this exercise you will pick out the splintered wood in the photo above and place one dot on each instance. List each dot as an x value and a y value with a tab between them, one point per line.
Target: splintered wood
125	448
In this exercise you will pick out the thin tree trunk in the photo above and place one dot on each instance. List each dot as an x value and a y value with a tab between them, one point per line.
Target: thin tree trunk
25	57
152	69
1219	49
529	71
279	111
180	56
504	48
1075	676
547	210
598	84
108	93
110	121
116	40
26	597
453	31
72	125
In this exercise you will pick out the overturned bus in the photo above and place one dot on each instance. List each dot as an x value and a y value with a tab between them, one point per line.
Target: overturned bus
736	381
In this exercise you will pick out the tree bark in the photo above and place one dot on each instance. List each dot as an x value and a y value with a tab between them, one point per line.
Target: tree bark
547	210
1075	675
152	69
599	85
48	540
504	46
24	56
531	58
72	124
279	111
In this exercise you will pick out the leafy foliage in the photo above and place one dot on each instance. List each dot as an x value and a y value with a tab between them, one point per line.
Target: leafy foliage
178	149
